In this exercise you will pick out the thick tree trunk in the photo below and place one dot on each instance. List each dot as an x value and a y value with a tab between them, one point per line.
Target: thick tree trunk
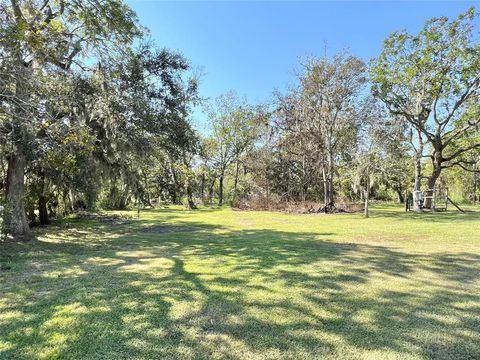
432	179
191	203
400	198
19	228
15	187
220	191
122	202
42	210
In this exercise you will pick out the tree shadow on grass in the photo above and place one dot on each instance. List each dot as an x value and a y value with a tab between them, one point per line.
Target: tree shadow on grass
243	294
432	217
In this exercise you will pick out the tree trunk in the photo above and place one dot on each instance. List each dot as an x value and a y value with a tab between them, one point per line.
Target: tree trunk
418	185
367	195
147	193
418	176
475	184
210	190
325	186
15	187
220	190
330	176
122	203
18	226
173	195
331	198
176	198
67	204
71	197
432	179
268	191
42	202
302	183
400	196
42	210
191	203
235	185
202	189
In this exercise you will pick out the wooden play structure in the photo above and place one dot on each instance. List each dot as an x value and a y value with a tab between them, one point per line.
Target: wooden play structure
430	200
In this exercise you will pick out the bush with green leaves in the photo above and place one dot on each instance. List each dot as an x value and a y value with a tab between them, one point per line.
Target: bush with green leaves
5	217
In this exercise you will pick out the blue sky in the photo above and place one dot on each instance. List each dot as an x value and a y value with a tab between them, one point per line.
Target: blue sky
253	46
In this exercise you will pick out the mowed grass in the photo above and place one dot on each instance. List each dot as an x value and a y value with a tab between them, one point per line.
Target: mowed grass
221	284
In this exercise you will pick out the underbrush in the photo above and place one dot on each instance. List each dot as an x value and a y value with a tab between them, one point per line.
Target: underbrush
276	203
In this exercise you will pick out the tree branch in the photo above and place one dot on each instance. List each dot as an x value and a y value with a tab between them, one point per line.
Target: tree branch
460	151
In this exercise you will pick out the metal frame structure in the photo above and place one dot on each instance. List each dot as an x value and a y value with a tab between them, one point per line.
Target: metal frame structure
439	200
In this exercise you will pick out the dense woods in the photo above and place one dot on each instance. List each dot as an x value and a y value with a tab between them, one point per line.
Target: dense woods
94	116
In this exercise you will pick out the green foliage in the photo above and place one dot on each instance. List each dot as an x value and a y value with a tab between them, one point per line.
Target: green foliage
431	81
5	218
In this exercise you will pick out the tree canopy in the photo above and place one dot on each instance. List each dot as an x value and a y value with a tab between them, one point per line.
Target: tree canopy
93	115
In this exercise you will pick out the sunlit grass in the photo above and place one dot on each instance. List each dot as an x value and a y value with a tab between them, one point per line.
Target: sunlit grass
221	284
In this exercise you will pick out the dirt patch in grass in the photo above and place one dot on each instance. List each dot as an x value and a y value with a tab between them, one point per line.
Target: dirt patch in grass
162	229
245	222
105	219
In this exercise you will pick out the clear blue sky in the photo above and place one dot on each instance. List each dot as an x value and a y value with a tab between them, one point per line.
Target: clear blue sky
253	46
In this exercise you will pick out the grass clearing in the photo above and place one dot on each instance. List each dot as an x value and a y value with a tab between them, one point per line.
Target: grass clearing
221	284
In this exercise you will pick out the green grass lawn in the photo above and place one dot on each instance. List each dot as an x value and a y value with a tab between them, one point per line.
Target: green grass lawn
221	284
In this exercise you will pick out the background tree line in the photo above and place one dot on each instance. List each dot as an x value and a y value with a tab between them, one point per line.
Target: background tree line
92	116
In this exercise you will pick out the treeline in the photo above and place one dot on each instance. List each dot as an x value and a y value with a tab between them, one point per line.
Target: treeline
94	116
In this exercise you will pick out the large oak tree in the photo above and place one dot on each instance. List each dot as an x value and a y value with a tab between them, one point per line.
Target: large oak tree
39	37
429	80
